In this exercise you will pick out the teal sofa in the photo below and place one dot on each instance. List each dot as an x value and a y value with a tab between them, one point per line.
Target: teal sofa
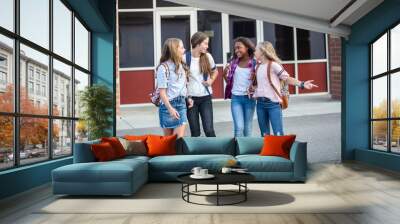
125	176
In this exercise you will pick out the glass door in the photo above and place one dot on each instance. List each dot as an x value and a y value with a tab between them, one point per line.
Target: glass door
179	24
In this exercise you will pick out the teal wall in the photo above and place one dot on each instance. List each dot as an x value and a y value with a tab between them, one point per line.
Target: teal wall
99	16
103	65
356	101
24	178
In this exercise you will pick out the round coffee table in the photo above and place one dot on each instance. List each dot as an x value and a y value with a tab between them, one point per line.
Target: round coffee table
238	179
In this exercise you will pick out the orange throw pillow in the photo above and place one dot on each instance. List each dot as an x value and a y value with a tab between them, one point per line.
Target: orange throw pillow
161	145
136	137
116	145
103	152
277	145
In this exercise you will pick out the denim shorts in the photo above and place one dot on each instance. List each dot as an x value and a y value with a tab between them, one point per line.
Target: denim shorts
166	121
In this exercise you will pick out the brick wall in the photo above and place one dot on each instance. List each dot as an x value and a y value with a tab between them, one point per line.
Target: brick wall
335	66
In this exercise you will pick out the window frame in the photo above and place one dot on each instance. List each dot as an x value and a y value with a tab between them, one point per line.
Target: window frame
16	114
388	74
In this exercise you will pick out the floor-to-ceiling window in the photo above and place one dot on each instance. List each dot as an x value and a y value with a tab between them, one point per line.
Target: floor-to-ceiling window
385	92
44	64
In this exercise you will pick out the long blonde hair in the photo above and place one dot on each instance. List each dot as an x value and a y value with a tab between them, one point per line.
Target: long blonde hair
268	51
170	52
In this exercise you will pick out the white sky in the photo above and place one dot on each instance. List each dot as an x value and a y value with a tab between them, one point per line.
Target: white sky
35	23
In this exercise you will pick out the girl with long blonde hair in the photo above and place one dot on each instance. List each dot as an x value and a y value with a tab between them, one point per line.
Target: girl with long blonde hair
171	81
269	74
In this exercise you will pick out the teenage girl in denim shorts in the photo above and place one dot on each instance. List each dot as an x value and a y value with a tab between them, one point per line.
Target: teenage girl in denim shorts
171	81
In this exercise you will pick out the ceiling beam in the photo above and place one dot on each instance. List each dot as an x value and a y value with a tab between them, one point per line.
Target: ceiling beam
269	15
346	12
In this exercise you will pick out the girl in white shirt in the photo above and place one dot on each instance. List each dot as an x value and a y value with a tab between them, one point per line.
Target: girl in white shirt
203	73
238	75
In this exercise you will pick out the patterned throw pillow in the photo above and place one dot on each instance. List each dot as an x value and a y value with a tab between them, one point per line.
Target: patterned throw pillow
134	147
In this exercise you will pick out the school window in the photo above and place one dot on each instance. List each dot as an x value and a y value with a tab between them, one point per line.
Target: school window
209	22
281	38
310	45
136	39
242	27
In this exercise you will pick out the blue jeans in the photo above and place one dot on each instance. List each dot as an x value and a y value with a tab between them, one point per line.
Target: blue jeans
269	112
242	113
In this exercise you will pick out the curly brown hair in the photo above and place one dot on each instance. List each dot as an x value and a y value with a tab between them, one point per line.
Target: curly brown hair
247	43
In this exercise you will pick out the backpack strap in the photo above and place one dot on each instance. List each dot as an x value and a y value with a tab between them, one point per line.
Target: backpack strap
166	69
188	55
254	78
270	80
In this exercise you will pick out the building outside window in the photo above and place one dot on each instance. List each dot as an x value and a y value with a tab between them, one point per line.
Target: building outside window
30	87
3	78
30	72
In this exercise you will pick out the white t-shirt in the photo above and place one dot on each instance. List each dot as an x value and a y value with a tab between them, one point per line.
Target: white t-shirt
195	85
241	81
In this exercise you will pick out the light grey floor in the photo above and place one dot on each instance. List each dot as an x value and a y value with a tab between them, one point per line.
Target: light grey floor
314	119
377	190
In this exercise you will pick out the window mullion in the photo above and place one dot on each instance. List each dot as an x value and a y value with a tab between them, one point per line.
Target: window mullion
389	104
50	81
73	82
16	85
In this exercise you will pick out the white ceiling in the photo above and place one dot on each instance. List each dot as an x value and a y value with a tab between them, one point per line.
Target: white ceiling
307	14
320	9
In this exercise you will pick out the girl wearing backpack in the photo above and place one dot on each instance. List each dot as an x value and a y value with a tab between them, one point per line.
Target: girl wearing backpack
268	90
171	82
203	73
238	75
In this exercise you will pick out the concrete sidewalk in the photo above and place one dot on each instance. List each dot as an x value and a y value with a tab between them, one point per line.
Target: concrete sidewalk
314	119
146	116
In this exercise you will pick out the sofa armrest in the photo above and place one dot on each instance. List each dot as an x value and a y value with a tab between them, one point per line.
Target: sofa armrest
83	152
298	155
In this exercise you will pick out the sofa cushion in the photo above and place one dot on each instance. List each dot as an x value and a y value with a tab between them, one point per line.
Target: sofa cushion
277	145
134	147
185	163
249	145
112	171
103	152
206	145
134	157
116	145
161	145
83	152
257	163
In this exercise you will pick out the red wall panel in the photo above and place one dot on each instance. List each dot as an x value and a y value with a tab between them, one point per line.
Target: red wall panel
135	86
314	71
290	69
218	85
